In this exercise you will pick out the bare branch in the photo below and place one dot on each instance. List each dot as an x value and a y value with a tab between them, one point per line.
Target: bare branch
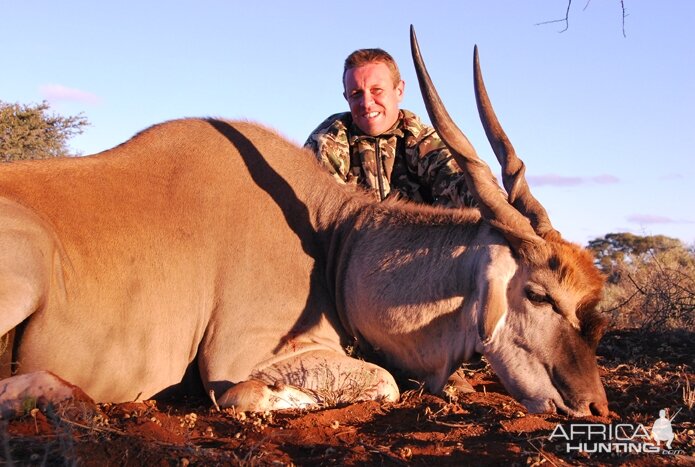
622	6
566	19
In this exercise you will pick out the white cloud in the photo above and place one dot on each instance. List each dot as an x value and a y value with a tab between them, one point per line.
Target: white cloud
562	180
672	176
58	92
649	219
645	219
604	179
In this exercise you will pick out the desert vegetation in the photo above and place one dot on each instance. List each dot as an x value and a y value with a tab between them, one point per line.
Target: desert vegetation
650	281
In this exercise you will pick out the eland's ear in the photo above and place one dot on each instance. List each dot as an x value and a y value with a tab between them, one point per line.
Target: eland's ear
493	307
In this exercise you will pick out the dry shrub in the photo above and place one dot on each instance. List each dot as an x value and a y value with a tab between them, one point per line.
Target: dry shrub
652	291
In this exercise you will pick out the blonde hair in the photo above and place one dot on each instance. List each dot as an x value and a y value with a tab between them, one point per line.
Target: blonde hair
362	57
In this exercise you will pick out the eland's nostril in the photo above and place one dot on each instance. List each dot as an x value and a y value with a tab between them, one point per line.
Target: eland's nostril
599	408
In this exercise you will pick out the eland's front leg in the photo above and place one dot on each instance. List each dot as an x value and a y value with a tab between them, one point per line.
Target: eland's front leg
317	378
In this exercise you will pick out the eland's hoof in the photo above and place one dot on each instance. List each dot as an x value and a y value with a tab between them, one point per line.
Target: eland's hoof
41	389
458	384
256	396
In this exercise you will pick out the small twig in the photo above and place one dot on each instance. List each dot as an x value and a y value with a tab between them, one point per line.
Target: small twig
93	428
688	393
214	400
623	303
452	425
565	20
541	454
125	434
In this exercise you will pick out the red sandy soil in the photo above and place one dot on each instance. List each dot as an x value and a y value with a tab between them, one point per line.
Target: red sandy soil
642	373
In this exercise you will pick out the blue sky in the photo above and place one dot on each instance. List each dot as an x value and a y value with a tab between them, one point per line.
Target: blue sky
605	123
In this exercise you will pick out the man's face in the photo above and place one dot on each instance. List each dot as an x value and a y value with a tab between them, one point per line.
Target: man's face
372	97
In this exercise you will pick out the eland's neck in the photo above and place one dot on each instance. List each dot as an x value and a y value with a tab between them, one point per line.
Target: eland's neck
406	285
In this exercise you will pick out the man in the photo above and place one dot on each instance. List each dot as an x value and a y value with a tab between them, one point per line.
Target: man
388	150
382	148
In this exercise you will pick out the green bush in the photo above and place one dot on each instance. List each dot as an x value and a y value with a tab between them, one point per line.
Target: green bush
31	132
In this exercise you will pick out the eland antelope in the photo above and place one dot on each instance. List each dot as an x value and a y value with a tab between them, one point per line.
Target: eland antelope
217	253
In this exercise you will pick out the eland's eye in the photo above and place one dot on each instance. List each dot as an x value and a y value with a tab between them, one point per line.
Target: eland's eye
536	297
541	298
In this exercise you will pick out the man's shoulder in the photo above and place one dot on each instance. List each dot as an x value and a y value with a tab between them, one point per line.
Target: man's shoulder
333	128
414	125
335	123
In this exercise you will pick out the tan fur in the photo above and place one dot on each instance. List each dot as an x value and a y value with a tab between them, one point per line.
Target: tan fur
218	249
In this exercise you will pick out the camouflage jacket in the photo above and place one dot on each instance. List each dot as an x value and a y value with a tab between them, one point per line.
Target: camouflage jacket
413	161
